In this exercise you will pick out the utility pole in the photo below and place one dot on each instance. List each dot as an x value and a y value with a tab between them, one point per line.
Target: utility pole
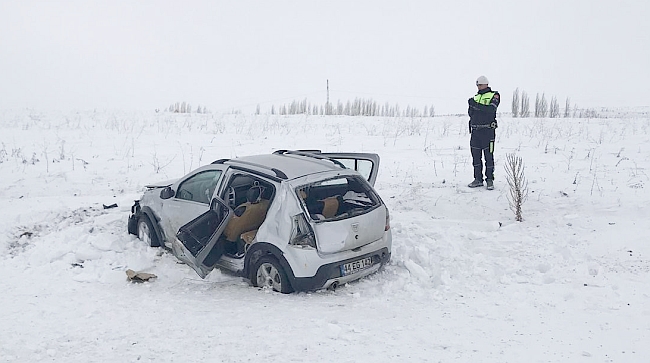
327	104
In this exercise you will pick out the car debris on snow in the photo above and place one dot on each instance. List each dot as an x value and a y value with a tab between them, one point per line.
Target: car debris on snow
134	276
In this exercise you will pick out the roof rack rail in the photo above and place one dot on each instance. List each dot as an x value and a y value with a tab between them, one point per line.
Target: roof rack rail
220	161
284	151
276	177
278	173
311	154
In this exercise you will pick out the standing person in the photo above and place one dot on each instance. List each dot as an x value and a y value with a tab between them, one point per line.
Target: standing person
482	124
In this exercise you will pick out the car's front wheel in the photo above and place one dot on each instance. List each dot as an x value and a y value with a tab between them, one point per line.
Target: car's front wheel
146	232
269	273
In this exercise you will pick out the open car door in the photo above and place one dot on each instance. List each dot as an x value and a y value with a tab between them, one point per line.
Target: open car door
366	164
197	242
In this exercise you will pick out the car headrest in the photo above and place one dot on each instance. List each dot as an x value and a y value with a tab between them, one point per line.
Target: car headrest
254	194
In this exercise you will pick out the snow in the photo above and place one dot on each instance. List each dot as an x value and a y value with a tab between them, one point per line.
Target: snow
467	283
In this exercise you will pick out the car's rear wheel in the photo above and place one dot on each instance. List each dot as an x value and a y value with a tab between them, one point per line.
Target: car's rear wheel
269	274
146	232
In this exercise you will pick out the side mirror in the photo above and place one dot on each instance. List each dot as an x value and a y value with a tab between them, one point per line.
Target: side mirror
166	193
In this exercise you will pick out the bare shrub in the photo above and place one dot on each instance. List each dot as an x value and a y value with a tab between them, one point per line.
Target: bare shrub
157	165
62	150
524	111
184	107
517	183
515	103
567	107
541	106
430	112
589	113
356	107
3	153
47	161
554	109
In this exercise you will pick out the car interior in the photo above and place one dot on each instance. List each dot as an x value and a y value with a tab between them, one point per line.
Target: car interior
337	198
249	198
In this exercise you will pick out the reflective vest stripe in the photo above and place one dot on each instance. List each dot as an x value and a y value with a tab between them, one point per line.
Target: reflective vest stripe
484	98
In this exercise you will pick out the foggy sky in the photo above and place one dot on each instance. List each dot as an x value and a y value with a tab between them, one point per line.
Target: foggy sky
237	54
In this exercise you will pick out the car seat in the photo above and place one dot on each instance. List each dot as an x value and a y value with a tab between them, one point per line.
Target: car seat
330	206
321	208
248	216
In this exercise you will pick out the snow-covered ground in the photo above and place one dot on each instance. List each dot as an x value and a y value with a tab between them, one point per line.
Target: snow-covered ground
571	283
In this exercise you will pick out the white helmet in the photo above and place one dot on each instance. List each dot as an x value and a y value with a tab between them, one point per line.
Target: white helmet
482	80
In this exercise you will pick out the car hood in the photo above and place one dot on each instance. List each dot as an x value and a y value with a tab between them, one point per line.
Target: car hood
161	184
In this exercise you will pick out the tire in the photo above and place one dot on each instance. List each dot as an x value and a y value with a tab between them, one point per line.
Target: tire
146	232
269	273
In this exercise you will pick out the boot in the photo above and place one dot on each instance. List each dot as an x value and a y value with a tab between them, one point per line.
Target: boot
476	183
490	184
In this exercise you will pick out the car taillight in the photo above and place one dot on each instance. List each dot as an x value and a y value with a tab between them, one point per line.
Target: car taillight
301	232
387	227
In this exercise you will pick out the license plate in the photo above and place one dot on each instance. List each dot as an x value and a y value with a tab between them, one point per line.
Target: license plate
356	266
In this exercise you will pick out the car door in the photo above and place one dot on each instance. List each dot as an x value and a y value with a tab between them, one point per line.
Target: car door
364	163
192	195
197	242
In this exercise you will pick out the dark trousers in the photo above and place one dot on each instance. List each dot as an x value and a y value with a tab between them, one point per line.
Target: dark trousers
482	144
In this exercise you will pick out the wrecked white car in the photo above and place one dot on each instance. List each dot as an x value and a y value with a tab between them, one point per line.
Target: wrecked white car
291	220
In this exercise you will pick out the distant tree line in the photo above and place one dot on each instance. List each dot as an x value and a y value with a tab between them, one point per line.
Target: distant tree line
521	107
356	107
184	107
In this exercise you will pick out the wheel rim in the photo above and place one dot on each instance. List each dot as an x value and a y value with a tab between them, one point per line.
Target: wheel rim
269	276
143	232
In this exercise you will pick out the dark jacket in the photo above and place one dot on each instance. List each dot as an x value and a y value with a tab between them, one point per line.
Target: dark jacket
483	114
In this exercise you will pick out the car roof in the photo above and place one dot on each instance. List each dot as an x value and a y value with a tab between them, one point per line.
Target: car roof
285	166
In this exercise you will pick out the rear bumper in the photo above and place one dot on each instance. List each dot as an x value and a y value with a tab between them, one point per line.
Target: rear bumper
330	274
